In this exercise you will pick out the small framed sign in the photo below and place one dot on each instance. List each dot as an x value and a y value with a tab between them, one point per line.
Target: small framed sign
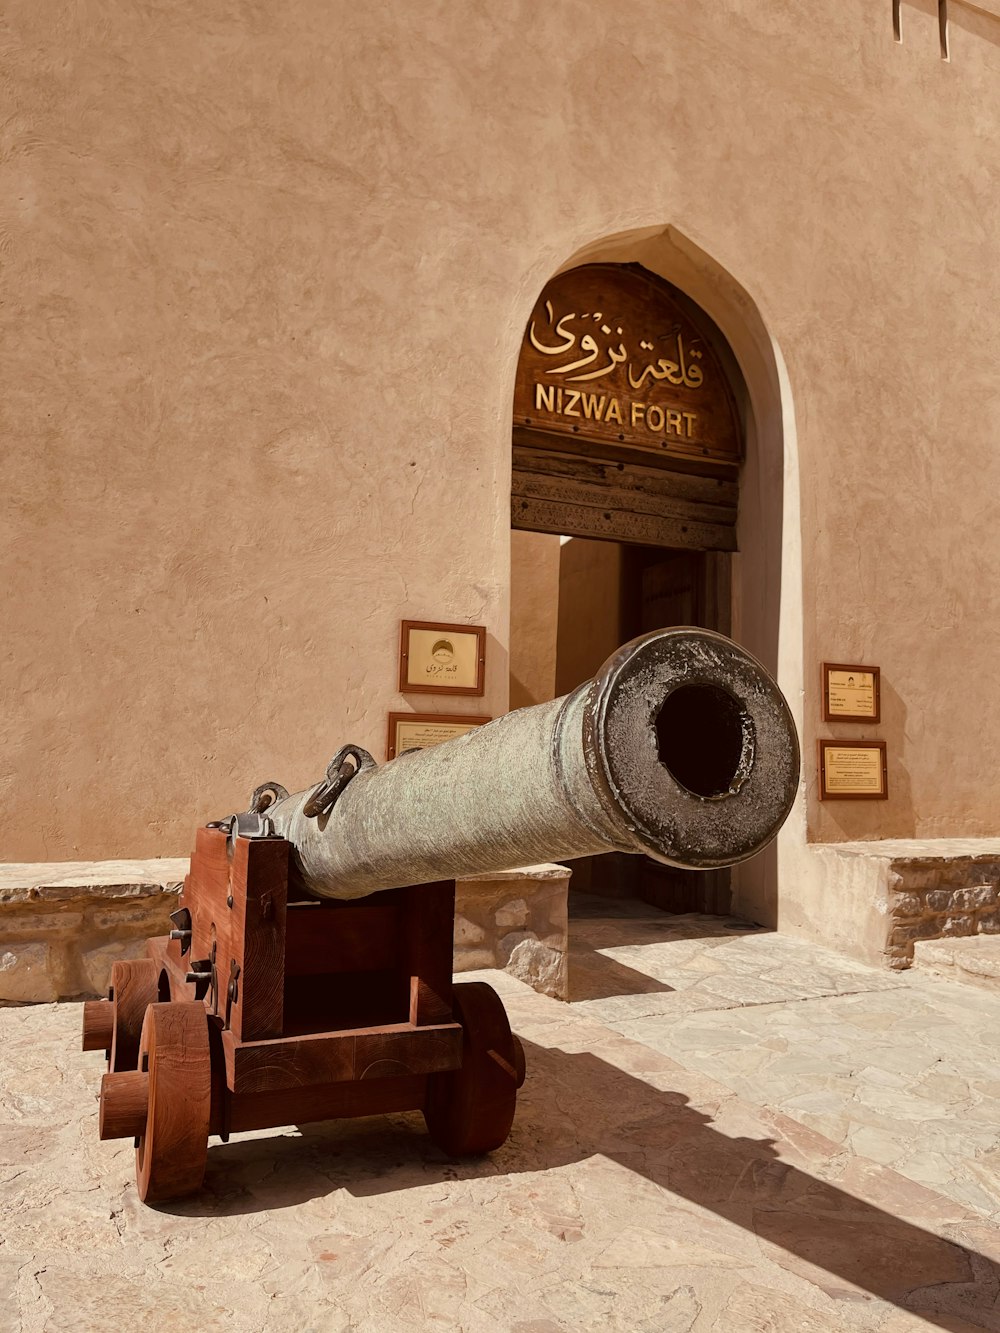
441	659
851	693
853	771
417	731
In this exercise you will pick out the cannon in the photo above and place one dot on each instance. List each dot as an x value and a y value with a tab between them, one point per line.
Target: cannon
308	972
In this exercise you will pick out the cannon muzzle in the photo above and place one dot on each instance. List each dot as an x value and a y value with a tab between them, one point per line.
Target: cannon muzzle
681	748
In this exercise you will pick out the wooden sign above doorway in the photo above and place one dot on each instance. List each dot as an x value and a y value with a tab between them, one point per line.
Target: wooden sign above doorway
609	355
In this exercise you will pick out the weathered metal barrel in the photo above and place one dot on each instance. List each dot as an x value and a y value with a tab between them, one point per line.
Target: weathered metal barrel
681	747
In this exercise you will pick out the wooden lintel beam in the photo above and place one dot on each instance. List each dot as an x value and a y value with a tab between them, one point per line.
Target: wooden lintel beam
569	520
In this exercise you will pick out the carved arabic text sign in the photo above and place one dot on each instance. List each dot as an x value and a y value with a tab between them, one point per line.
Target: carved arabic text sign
610	355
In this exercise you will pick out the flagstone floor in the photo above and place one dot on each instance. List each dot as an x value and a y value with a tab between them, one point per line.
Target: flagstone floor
724	1130
899	1069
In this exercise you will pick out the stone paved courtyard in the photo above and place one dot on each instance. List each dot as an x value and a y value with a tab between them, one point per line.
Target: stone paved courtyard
724	1130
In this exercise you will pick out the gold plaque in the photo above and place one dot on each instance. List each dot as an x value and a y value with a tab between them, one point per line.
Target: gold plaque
418	731
613	353
852	772
441	659
851	693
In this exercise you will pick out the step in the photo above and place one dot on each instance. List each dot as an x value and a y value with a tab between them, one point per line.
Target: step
974	959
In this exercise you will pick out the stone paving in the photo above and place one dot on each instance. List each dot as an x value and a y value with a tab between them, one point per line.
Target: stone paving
902	1070
698	1146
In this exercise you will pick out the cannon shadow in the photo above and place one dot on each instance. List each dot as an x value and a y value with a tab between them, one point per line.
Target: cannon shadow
575	1107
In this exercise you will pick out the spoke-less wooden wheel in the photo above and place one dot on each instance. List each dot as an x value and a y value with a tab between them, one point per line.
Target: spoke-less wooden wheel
170	1152
115	1024
134	987
470	1110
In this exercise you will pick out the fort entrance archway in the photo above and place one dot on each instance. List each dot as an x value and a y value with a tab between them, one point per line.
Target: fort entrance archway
641	494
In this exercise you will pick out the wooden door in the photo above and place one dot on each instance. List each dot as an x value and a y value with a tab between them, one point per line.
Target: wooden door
679	588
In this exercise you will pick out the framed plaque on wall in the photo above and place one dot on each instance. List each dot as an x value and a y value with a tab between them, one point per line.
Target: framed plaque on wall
851	693
441	659
853	771
418	731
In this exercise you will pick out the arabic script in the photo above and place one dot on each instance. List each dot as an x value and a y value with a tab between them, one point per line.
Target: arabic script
600	356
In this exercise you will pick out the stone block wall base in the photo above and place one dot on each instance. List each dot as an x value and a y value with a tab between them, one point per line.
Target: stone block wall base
62	926
935	889
516	920
940	897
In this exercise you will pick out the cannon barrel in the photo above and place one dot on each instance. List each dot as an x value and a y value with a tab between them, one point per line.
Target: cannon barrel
681	747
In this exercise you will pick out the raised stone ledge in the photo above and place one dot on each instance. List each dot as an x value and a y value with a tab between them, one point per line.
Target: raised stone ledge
63	924
56	880
923	889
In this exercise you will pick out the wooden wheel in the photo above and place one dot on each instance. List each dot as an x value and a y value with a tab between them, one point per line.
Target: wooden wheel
470	1110
134	987
170	1153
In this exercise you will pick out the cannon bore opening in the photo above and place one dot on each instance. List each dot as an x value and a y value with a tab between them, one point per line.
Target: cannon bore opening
701	737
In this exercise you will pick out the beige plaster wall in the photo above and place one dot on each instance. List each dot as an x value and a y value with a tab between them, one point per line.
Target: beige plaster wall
267	273
534	617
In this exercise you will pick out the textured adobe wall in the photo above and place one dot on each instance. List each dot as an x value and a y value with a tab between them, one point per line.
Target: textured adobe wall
267	272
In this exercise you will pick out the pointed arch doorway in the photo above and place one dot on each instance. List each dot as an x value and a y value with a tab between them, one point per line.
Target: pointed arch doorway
628	438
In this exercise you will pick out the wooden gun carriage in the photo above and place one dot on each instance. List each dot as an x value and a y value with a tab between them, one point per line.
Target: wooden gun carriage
309	972
266	1007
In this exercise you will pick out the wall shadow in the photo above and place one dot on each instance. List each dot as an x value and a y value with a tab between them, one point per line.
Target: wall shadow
614	923
593	975
577	1106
